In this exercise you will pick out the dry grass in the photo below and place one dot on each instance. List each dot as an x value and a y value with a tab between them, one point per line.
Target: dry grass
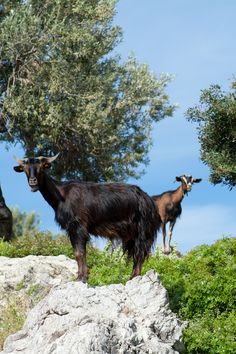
12	317
14	310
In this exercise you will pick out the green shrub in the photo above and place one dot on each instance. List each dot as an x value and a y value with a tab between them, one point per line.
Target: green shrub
107	267
41	243
202	289
210	333
210	282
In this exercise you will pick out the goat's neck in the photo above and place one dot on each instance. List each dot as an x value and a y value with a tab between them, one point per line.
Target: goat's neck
49	189
178	195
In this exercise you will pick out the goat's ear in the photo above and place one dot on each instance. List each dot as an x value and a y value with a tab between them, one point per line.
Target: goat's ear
46	164
178	179
196	180
19	168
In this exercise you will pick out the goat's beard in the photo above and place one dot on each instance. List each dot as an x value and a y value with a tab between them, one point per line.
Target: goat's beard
34	188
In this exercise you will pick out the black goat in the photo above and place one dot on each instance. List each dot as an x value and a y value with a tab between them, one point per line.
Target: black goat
169	206
111	210
6	221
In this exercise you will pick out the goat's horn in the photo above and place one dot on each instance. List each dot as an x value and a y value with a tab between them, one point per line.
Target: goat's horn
49	159
20	162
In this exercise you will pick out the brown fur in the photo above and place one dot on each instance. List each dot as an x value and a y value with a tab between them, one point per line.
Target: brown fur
169	207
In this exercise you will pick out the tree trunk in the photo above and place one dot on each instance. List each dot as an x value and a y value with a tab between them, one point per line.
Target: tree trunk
6	220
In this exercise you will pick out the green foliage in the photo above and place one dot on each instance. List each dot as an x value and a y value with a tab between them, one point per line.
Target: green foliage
202	289
212	334
42	243
24	223
64	90
99	261
216	118
210	279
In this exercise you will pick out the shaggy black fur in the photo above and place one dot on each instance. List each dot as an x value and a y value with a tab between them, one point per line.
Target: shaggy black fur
6	221
111	210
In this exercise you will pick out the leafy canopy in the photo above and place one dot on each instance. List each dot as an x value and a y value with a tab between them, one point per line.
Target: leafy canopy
216	118
63	89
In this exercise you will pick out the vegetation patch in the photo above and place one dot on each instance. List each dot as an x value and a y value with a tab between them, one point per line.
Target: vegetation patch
12	318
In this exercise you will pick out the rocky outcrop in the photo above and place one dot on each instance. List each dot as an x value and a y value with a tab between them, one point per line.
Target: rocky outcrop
76	318
31	277
30	270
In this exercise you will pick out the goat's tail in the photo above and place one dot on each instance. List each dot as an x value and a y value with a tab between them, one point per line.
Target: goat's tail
148	222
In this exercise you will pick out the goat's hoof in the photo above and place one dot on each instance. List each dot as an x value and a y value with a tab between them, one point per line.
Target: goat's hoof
163	249
168	250
83	279
133	276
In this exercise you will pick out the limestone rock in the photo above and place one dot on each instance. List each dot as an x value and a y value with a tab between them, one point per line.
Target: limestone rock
44	270
75	318
27	280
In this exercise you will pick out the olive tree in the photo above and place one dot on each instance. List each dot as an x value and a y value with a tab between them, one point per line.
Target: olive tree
216	120
64	89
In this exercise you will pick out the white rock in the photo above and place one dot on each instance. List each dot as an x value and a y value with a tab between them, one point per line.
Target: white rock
44	270
77	319
25	281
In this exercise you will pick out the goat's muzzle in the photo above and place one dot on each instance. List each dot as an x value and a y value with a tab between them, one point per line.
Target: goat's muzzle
33	183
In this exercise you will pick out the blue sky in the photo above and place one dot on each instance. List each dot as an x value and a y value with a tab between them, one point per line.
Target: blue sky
195	42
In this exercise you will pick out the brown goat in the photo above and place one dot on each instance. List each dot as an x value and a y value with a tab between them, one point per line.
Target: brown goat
169	206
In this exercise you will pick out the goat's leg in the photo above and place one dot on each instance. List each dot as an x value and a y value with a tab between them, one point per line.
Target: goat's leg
172	224
137	266
138	259
80	255
163	227
79	238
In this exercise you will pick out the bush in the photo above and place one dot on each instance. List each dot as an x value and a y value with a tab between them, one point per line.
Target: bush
210	333
41	243
202	290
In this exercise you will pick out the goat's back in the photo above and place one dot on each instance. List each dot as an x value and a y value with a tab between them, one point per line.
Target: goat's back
99	206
